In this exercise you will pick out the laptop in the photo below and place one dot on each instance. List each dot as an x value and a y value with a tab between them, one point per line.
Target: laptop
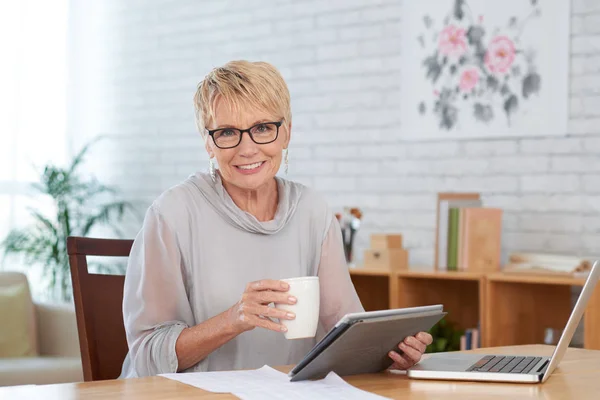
506	368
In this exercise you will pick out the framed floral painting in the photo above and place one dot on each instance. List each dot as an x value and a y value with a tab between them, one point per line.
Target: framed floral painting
481	68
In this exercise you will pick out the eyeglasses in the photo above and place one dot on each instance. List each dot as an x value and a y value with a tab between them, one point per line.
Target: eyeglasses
263	133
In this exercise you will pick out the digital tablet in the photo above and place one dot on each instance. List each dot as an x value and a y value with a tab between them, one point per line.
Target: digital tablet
359	343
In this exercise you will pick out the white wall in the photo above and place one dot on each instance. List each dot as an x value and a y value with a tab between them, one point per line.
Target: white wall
136	65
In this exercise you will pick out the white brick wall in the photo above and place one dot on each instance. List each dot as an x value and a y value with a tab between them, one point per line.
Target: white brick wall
137	64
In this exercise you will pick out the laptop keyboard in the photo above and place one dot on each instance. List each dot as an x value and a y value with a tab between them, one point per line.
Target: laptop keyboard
505	364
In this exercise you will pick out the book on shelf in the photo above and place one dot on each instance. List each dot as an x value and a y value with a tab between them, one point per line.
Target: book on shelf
447	201
468	234
452	255
481	240
471	339
550	264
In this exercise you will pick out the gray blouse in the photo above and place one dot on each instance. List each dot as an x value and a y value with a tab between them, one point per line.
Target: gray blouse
194	256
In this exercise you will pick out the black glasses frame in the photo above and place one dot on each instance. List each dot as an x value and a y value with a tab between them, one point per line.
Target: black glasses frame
213	131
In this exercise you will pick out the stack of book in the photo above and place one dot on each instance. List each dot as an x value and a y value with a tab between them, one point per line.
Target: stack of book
468	235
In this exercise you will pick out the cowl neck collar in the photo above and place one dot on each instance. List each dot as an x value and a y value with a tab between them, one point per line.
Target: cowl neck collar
216	195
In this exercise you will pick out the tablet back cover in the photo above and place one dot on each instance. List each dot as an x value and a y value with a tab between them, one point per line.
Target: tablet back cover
364	347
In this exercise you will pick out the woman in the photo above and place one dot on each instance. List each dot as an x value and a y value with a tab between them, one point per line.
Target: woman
210	255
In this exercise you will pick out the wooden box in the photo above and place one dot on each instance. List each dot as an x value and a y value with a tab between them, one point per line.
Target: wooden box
380	241
390	259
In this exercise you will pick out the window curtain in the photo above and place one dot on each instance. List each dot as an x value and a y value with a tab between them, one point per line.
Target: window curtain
33	84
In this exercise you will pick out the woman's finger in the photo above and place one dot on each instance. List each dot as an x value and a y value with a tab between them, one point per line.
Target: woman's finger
267	284
268	297
411	353
266	324
408	360
399	361
424	337
270	312
415	344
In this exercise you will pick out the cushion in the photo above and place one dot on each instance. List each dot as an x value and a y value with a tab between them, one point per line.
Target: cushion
40	370
15	318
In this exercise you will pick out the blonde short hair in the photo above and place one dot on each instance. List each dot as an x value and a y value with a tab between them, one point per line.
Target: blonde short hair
258	84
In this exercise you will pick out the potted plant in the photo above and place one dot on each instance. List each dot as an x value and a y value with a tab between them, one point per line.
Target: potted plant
79	205
446	337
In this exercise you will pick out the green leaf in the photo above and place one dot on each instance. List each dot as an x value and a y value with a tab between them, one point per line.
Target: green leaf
475	35
433	67
441	344
458	9
531	84
510	106
78	159
45	221
483	112
40	188
66	220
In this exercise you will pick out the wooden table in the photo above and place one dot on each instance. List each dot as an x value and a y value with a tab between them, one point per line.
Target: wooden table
578	377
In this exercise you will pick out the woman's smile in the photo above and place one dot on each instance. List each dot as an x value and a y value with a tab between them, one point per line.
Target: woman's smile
253	168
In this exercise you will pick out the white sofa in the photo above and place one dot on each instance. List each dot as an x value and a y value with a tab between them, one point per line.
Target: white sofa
58	358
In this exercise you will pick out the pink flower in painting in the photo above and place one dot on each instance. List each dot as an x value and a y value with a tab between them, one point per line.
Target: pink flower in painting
453	41
500	54
468	79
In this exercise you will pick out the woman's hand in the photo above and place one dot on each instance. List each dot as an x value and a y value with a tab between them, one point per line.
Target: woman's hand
411	350
253	310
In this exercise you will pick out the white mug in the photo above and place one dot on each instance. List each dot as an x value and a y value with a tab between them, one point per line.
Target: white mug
306	291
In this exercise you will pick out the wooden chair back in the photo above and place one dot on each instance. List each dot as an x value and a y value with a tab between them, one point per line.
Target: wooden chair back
98	306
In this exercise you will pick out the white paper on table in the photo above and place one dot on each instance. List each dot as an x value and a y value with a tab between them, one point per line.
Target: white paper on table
267	382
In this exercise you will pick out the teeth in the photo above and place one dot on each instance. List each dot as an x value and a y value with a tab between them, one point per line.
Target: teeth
250	166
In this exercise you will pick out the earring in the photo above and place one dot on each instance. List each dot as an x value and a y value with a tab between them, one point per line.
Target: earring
211	170
287	161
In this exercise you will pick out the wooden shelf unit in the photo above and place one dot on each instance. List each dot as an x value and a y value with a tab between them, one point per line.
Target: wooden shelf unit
512	308
376	289
519	307
461	293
